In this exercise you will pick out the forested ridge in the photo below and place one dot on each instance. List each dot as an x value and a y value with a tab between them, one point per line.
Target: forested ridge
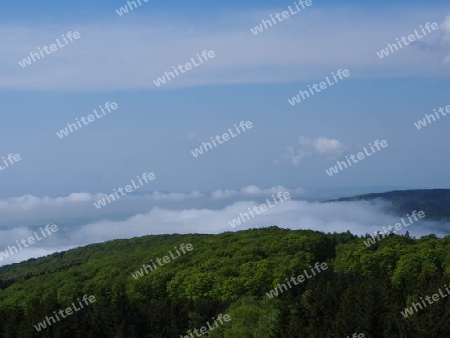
434	202
363	290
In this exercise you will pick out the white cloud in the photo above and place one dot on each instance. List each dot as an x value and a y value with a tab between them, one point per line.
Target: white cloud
303	48
308	147
328	146
296	155
358	217
78	207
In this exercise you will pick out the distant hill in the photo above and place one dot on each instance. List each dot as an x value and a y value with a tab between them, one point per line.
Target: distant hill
434	202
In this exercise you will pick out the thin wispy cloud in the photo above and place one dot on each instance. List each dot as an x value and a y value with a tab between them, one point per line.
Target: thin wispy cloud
129	54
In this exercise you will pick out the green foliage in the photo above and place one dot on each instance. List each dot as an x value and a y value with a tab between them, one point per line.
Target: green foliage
363	290
250	318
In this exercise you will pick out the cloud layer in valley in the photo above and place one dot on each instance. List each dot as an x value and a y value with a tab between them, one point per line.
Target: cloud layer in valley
357	217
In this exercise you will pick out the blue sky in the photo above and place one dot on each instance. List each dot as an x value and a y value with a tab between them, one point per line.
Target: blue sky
251	78
117	58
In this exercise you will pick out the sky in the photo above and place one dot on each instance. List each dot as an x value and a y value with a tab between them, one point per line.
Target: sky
155	129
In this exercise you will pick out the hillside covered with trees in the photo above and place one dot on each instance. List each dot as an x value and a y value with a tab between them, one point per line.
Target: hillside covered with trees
363	290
